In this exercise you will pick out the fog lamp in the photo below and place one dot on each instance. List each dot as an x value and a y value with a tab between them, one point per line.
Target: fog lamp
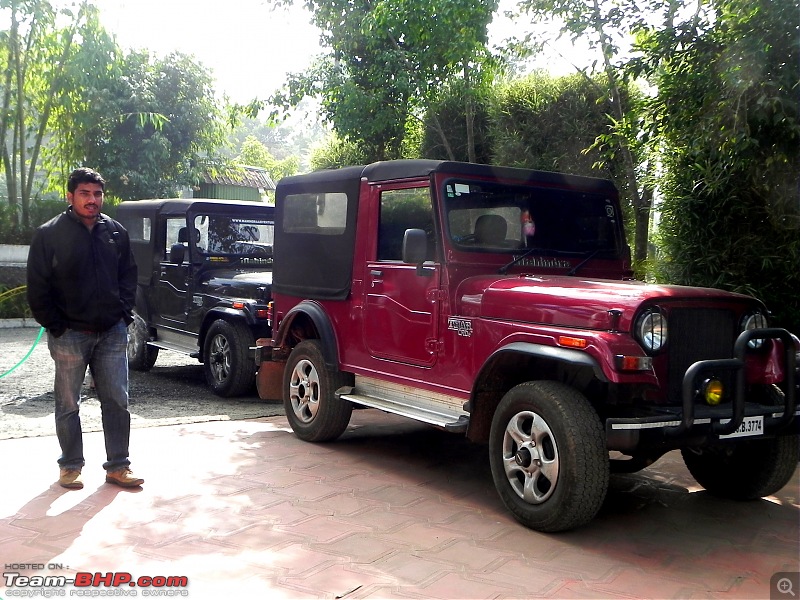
712	391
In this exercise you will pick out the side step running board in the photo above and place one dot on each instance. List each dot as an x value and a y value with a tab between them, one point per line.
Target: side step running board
448	421
175	348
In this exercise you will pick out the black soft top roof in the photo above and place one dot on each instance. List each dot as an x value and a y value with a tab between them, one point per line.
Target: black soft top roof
416	168
180	206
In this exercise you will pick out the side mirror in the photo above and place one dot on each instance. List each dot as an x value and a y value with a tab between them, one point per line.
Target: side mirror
415	250
177	253
415	246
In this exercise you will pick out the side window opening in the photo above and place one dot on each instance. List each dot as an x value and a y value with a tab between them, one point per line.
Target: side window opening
316	213
316	233
403	209
176	229
139	229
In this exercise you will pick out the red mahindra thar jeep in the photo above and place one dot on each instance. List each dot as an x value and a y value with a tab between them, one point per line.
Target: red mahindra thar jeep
498	303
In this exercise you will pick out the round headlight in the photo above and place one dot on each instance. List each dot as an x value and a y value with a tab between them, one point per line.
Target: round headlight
651	329
755	320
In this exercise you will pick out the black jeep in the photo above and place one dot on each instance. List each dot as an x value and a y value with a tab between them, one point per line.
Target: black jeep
205	281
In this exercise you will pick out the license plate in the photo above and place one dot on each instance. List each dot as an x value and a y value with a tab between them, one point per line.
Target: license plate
750	426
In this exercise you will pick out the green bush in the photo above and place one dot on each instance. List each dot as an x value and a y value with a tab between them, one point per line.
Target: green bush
13	303
550	123
450	114
730	212
335	153
41	210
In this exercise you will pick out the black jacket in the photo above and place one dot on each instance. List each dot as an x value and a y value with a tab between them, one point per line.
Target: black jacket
81	279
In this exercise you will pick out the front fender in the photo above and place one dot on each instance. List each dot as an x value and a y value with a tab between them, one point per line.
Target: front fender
565	355
227	314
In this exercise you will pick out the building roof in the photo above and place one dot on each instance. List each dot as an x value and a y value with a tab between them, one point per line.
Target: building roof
243	176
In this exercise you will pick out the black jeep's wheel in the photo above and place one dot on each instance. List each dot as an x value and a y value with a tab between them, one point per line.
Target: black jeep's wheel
548	456
744	470
141	356
313	411
229	371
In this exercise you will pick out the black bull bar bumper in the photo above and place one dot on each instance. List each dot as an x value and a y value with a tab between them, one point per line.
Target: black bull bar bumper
691	423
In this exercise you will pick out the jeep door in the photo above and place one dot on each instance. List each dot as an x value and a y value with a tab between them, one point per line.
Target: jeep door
173	289
401	307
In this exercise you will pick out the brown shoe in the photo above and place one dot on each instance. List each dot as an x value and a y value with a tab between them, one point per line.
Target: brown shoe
123	477
70	479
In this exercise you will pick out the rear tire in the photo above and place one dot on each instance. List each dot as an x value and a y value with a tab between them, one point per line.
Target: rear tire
309	386
228	368
745	470
548	456
141	355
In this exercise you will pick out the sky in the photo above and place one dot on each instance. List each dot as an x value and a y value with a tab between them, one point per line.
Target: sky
248	45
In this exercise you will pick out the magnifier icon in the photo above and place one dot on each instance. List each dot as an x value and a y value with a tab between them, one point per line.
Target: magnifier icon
784	586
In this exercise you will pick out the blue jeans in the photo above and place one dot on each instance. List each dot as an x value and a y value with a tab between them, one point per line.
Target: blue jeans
106	354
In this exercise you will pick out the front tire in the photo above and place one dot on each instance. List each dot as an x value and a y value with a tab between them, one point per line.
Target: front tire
141	355
745	470
548	456
312	408
229	371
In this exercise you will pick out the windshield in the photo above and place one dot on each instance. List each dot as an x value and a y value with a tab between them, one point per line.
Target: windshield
224	235
497	218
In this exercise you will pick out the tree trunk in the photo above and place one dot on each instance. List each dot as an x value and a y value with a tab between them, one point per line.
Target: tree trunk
469	114
640	204
642	228
442	136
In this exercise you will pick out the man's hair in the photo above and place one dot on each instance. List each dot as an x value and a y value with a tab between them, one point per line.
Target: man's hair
84	175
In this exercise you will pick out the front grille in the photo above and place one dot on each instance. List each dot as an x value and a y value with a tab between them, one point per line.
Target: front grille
698	334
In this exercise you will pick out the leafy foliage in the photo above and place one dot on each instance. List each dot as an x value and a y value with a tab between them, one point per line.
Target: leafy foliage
37	55
730	213
538	122
255	154
605	25
387	61
13	303
336	153
294	136
155	128
40	211
448	114
543	122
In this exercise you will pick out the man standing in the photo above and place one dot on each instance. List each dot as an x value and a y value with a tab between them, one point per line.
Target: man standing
81	288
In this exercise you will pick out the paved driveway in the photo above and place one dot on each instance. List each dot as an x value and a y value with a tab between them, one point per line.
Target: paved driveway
391	510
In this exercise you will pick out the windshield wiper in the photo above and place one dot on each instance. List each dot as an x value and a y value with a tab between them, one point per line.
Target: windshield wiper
504	269
591	255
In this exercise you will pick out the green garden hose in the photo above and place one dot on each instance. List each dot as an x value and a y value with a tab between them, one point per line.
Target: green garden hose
5	296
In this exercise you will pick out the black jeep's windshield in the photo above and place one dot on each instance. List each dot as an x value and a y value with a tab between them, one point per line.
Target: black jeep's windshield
222	235
498	218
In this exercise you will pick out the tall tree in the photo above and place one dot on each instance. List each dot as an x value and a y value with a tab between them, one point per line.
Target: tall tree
387	61
155	128
37	53
256	154
605	24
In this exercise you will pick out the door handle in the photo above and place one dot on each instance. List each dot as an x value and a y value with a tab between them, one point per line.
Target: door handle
376	273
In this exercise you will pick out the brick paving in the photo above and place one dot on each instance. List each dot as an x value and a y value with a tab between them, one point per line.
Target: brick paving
391	510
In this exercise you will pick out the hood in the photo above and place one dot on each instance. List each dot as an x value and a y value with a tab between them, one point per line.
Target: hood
572	302
233	283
